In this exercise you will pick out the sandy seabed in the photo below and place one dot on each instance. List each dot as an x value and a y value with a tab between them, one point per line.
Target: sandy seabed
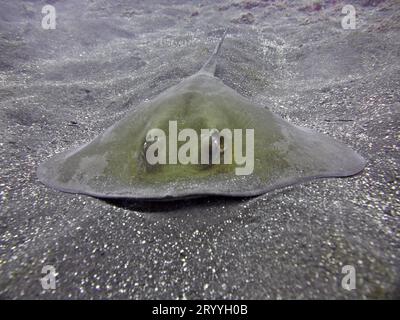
60	88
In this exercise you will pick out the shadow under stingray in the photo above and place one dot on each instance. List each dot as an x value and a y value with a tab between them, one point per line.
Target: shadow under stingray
187	205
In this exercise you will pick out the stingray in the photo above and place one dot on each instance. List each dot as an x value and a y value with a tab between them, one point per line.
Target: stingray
115	164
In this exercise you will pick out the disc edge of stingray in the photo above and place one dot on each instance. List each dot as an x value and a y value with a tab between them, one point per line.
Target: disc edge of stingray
187	195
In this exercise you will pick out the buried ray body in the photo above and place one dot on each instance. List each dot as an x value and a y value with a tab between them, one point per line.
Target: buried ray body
127	160
206	149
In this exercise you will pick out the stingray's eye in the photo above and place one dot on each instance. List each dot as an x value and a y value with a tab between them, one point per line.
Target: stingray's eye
217	142
151	137
212	145
222	147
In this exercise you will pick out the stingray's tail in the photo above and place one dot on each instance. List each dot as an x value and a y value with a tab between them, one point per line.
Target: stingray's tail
211	64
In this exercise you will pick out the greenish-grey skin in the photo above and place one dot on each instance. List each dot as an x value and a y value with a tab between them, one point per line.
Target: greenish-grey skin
113	165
